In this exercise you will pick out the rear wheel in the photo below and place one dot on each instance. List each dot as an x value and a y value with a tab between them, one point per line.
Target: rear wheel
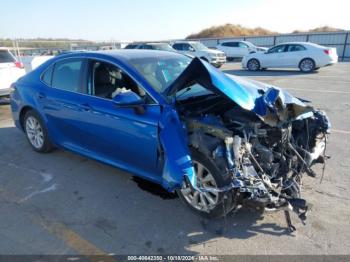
253	65
307	65
208	204
36	132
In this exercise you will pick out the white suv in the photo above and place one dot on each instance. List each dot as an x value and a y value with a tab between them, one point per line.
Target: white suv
10	71
239	49
195	48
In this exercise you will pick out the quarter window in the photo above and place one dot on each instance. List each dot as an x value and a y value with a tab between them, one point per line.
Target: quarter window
47	76
66	75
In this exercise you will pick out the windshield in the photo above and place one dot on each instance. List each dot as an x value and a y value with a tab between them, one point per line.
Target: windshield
160	72
199	46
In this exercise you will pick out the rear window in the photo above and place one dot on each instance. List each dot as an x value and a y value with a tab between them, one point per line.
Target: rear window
6	57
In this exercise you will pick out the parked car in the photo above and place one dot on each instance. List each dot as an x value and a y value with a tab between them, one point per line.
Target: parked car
239	49
303	55
197	49
10	71
151	46
218	140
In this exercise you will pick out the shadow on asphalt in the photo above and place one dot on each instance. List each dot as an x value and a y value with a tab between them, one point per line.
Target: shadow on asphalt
279	72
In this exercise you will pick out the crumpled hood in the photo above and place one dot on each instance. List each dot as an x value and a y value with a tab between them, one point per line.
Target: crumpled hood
272	104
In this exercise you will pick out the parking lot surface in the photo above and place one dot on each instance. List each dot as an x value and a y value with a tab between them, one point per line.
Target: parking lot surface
62	203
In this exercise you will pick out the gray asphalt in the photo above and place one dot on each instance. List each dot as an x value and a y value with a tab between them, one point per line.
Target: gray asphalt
62	203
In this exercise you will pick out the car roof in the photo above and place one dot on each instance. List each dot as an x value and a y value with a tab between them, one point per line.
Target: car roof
298	43
185	42
127	54
157	43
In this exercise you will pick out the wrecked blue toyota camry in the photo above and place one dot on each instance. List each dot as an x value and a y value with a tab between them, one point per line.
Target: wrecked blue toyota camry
218	140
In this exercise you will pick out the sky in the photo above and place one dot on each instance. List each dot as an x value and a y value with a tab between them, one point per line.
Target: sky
128	20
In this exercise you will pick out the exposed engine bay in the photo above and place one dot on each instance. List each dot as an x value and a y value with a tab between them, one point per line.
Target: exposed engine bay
265	160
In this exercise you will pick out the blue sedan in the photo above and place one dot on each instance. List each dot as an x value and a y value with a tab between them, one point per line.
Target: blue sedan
217	140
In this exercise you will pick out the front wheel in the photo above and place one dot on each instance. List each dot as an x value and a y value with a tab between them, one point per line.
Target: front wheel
253	65
208	204
36	132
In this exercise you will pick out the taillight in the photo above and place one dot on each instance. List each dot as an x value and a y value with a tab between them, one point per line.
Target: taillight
327	51
19	65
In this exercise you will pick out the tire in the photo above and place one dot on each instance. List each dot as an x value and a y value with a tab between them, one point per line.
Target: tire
253	65
307	65
36	132
223	202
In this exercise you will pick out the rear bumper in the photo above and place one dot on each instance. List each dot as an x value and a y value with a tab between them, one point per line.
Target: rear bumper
5	92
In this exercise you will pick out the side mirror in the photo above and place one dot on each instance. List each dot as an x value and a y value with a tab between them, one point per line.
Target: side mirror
129	99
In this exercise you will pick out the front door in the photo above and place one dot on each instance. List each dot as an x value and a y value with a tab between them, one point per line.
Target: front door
121	136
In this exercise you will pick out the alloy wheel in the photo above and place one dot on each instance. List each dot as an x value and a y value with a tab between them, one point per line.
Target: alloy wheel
253	65
201	201
306	65
34	132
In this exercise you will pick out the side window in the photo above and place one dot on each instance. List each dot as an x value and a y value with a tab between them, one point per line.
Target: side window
186	47
107	81
242	45
295	48
147	47
233	44
178	47
47	76
66	75
277	49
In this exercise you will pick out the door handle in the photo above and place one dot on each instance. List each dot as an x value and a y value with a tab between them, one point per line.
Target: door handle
85	107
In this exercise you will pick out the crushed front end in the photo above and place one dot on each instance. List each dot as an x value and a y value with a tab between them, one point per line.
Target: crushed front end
264	147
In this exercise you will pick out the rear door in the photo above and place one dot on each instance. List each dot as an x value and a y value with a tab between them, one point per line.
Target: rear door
62	100
295	53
